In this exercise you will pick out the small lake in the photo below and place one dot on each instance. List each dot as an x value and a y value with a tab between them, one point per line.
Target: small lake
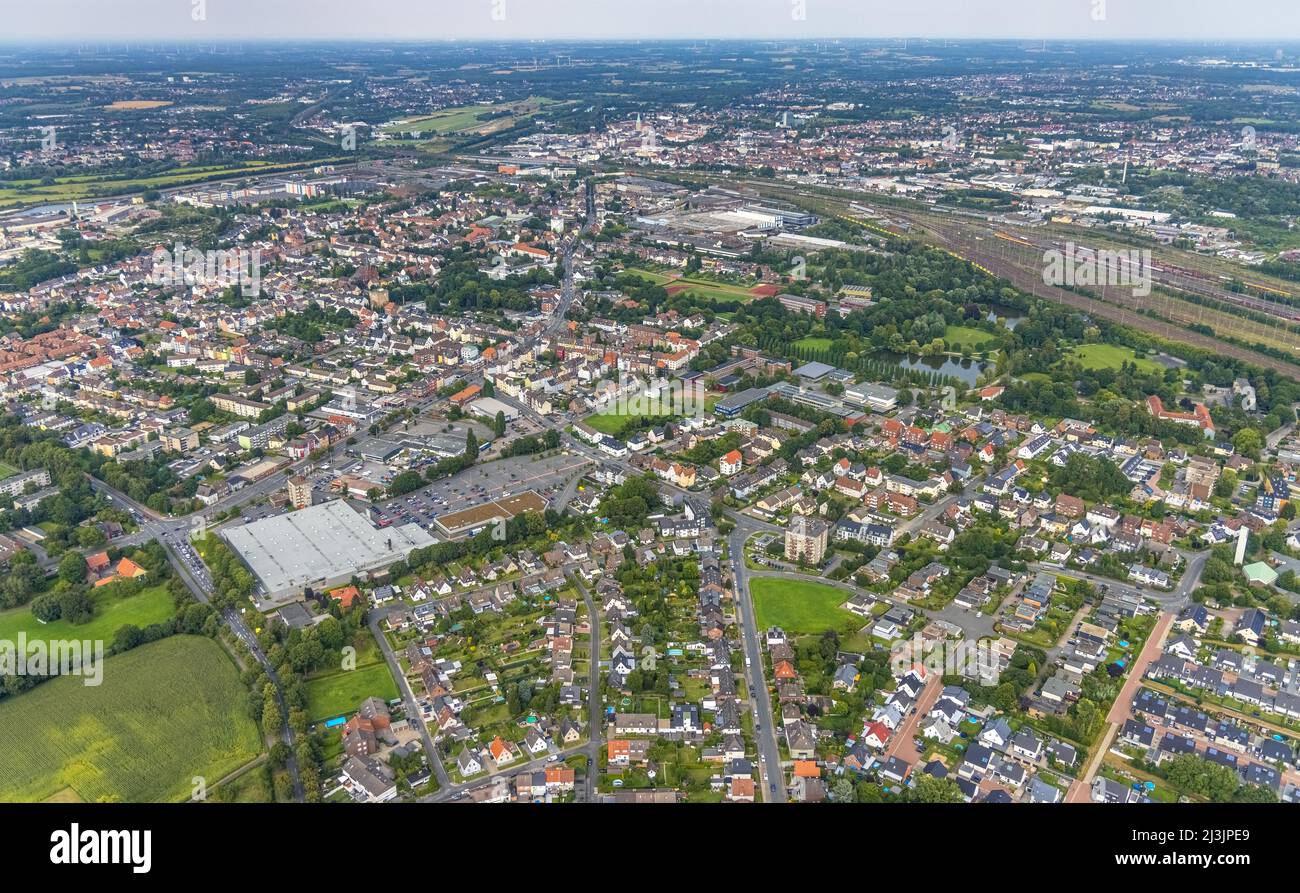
954	367
1010	316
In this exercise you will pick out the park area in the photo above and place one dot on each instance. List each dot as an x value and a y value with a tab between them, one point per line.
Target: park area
800	607
964	337
165	713
1111	356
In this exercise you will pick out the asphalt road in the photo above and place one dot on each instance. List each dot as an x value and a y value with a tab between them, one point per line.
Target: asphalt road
595	728
411	703
769	753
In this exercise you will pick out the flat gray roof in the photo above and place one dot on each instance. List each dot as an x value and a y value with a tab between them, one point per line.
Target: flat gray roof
814	370
321	543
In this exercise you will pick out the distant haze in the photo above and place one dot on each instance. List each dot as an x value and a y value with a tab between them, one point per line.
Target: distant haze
216	20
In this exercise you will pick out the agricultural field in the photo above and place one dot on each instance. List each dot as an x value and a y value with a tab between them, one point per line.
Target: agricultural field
89	186
165	713
152	604
799	607
469	118
137	104
338	692
1111	356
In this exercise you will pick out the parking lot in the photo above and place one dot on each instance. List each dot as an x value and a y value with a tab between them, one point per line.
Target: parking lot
479	484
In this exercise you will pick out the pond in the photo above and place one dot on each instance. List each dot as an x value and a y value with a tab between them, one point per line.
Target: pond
967	371
1010	316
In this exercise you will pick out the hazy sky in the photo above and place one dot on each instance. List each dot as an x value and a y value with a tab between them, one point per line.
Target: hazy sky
205	20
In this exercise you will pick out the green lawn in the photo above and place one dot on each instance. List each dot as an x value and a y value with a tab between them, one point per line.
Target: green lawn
339	692
1111	356
164	714
614	423
611	423
151	605
799	607
704	288
725	291
811	343
254	786
7	471
965	336
651	275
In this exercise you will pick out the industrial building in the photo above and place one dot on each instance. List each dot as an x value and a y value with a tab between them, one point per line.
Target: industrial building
320	547
488	407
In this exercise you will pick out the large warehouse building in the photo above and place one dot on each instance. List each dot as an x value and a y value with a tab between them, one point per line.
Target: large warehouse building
320	546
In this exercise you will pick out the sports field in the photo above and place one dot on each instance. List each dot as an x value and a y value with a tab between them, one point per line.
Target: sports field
675	283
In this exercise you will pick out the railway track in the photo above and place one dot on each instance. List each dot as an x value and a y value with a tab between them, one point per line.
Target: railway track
977	252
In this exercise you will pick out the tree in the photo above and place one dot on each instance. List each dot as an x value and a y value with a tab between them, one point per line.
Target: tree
1190	773
1248	442
75	605
869	793
499	425
45	608
72	568
90	537
128	636
928	789
471	446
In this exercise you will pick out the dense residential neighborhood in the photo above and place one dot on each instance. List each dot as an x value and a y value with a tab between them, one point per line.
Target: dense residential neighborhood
666	422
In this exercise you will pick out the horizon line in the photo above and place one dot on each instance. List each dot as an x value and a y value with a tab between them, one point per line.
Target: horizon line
258	39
